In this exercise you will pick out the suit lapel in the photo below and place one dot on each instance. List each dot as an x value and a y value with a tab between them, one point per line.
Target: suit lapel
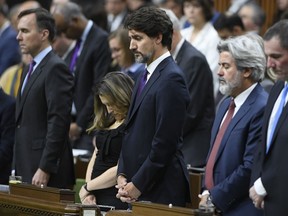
22	98
237	117
137	100
282	116
83	53
179	56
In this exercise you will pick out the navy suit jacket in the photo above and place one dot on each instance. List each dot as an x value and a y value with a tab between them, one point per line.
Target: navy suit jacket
232	169
43	123
151	157
201	111
272	167
9	49
7	134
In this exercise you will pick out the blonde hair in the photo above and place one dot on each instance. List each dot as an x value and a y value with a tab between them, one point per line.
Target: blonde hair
117	88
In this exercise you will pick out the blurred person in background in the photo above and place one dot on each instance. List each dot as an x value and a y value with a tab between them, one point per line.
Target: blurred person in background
122	56
202	35
9	47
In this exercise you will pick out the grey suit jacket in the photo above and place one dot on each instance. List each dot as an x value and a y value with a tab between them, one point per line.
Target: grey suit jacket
42	123
201	111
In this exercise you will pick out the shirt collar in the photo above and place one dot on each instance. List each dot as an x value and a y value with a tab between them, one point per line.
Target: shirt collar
86	30
151	67
4	27
177	49
241	98
38	58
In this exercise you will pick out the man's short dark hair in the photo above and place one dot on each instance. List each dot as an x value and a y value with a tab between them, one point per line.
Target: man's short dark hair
280	30
44	20
152	21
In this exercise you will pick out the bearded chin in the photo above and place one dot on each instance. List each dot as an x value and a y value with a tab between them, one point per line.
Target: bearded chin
225	89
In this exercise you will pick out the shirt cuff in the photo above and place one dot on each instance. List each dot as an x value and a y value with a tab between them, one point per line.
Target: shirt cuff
259	188
205	192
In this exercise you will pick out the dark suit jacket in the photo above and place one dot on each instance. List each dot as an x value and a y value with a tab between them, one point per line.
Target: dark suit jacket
9	49
272	167
7	133
151	156
92	65
201	113
234	159
43	120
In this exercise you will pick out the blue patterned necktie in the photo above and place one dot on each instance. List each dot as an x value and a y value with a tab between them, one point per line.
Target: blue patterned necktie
277	115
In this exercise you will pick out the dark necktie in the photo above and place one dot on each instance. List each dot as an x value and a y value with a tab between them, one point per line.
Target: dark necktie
277	116
75	55
209	183
142	82
31	65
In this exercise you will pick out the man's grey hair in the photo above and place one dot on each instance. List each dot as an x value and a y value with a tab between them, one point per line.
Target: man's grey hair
68	10
173	18
247	51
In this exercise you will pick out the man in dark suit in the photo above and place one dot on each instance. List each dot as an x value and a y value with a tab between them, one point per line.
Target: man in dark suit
9	48
269	173
7	134
151	162
88	64
237	127
43	155
201	113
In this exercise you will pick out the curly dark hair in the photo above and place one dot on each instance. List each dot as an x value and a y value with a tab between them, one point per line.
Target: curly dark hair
152	21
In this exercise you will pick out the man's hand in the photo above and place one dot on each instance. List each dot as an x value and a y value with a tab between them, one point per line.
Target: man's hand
258	200
74	132
203	201
132	191
127	192
40	178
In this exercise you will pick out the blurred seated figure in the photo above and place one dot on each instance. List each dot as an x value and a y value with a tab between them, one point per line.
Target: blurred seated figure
202	35
122	55
253	17
177	7
10	79
281	10
116	13
7	133
62	45
9	47
112	101
229	25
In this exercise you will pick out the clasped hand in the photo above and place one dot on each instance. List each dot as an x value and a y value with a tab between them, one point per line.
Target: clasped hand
258	200
127	192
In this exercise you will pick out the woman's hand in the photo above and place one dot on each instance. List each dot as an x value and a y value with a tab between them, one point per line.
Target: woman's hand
83	193
89	200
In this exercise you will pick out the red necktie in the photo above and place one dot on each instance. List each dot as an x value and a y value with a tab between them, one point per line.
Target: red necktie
209	183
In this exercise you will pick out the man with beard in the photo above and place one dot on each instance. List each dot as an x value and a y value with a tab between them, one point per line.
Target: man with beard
237	126
269	173
151	162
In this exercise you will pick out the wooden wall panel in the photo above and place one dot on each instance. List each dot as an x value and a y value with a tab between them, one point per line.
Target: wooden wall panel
269	6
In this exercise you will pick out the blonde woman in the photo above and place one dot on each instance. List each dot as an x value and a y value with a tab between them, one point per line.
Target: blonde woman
112	101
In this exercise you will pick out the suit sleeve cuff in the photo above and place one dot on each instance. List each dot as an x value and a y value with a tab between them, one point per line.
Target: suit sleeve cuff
259	188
